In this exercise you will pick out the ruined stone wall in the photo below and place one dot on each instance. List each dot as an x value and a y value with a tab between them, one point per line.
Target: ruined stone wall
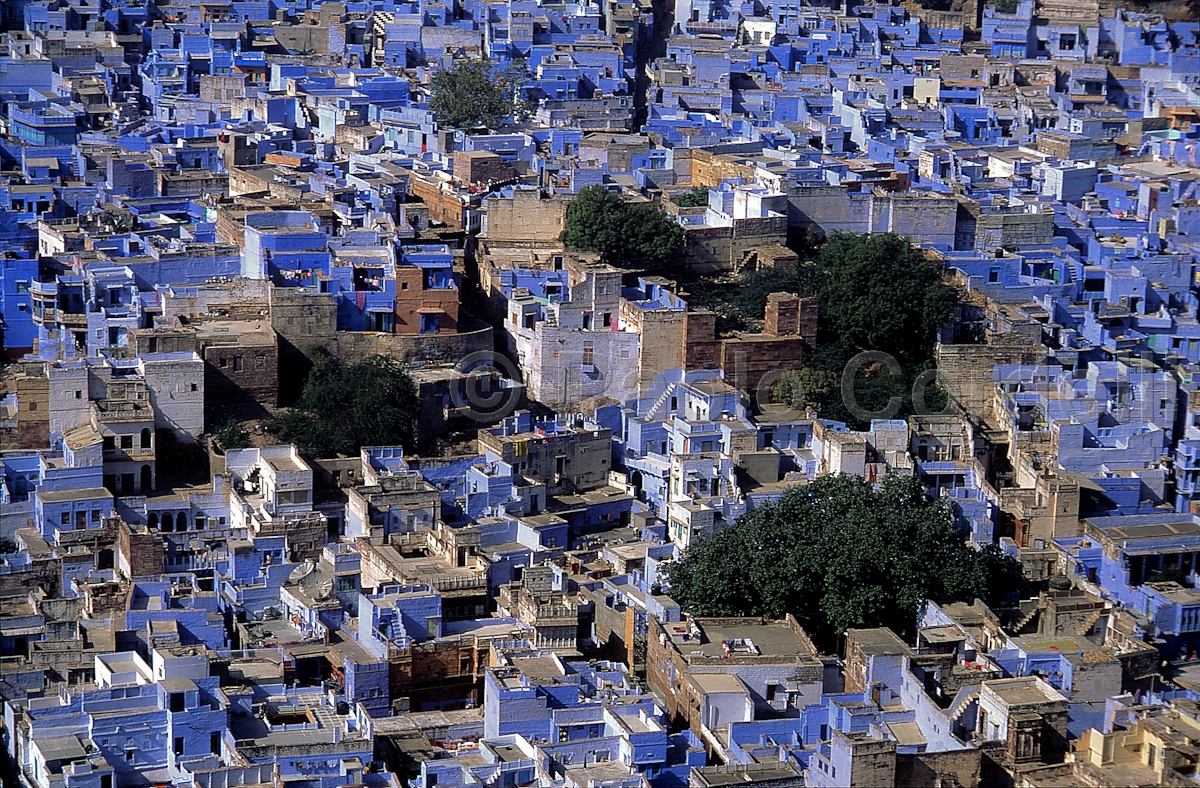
828	209
709	169
747	359
414	349
1013	230
701	348
925	219
139	554
966	370
445	206
947	769
526	216
239	299
663	340
33	411
236	375
717	250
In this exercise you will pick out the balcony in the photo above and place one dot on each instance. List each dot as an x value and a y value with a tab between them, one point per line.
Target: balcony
42	117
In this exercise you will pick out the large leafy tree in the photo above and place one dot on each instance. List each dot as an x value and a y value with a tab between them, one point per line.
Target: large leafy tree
840	553
878	292
473	94
696	198
344	407
623	232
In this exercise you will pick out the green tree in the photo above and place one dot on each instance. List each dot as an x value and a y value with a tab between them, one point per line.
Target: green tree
344	407
471	95
623	232
839	553
696	198
808	387
878	292
233	436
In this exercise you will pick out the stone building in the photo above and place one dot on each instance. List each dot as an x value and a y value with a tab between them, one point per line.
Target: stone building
712	671
1028	715
570	343
568	457
272	495
241	366
553	615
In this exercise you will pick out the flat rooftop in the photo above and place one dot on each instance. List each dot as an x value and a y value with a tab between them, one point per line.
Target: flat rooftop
286	464
770	639
1025	691
1142	527
715	683
60	496
508	753
535	668
878	641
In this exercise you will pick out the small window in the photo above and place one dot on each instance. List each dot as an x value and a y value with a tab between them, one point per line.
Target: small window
237	363
193	387
222	362
126	441
78	394
66	518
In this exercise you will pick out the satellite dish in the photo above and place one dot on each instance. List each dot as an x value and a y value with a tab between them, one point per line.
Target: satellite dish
301	571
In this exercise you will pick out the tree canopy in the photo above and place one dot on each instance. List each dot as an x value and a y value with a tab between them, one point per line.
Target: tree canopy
875	292
878	292
344	407
697	197
471	95
232	435
623	232
838	553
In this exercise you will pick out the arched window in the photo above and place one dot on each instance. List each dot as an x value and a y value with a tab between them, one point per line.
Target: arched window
181	522
147	478
145	437
153	520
